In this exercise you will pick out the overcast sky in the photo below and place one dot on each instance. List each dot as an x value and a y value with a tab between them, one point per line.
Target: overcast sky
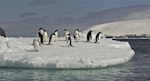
17	16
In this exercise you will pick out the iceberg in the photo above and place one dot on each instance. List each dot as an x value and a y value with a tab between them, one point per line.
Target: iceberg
119	28
18	52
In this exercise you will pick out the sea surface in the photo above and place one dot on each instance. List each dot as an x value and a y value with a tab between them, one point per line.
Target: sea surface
137	69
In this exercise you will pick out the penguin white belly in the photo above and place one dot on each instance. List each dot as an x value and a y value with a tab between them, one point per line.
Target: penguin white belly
66	35
52	39
56	36
99	38
68	42
45	37
77	38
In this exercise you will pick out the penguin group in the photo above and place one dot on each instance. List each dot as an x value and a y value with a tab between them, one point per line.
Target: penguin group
43	37
97	37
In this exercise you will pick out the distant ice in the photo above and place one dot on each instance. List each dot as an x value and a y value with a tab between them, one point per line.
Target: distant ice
18	52
139	26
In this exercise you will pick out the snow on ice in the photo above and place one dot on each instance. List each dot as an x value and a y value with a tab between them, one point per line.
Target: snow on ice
18	52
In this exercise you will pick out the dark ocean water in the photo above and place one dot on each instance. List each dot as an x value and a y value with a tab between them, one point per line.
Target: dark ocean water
137	69
141	61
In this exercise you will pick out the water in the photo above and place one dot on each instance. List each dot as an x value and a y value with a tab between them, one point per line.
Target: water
137	69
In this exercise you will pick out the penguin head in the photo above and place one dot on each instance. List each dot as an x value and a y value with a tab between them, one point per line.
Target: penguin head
65	29
36	40
90	31
40	28
77	29
56	30
99	32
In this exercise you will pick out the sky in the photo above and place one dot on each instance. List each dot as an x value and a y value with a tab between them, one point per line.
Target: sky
24	17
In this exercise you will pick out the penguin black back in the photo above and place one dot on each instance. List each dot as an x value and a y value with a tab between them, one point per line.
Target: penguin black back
89	36
69	41
40	35
56	30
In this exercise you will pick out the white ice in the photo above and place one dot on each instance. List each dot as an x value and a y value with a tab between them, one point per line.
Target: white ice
139	26
18	52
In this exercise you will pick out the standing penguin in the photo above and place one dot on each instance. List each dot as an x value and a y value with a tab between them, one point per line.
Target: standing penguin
45	36
98	37
89	36
51	39
66	32
76	35
69	42
36	45
41	35
56	35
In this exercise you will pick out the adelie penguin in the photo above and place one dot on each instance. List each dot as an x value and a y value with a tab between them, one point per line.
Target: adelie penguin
56	35
69	41
36	44
40	33
76	35
98	37
51	39
45	36
89	36
66	32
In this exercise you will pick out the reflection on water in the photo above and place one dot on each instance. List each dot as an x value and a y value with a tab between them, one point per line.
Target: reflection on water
104	74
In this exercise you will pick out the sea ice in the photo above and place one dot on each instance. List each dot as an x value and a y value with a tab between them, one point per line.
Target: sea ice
18	52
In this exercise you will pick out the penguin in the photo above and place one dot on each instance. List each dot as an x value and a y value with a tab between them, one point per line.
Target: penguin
51	39
76	35
45	36
89	36
66	32
98	37
56	35
36	45
69	41
40	33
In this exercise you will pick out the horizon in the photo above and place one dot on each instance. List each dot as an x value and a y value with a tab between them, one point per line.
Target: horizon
23	18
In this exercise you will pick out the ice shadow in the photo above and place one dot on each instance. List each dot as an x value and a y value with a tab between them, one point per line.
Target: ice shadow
31	51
